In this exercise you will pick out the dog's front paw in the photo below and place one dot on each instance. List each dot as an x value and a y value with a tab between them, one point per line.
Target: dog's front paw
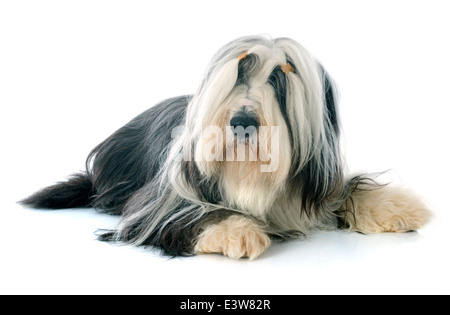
236	237
401	214
389	209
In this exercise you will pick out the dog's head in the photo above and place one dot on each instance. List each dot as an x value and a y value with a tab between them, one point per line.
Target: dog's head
264	121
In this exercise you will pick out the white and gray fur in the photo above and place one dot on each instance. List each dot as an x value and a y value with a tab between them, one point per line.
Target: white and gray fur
166	200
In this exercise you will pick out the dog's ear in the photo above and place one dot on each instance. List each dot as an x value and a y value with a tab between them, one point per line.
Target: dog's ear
322	176
331	100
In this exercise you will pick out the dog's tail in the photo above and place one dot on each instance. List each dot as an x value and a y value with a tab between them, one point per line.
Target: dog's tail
76	192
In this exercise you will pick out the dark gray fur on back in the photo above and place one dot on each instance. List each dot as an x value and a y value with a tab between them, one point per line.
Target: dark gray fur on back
132	156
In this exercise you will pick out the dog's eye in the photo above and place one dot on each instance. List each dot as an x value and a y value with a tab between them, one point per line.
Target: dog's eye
246	67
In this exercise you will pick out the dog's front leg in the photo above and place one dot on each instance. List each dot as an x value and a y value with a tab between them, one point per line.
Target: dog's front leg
385	209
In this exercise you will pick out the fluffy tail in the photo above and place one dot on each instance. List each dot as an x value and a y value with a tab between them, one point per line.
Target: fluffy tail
74	193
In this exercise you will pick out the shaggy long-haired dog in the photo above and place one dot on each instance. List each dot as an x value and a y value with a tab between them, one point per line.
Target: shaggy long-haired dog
252	156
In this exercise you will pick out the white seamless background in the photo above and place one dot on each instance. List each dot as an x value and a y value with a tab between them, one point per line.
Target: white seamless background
72	72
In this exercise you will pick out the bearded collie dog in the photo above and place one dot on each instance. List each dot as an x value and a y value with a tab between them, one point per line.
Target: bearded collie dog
252	156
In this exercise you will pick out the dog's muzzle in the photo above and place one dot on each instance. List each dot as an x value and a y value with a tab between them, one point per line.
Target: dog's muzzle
244	123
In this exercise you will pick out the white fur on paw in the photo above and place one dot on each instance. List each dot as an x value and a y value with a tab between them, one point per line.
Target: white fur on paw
389	209
236	237
401	216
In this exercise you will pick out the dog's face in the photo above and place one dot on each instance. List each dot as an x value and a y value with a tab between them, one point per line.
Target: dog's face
263	117
253	119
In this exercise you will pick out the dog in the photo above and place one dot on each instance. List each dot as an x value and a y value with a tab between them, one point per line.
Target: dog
253	156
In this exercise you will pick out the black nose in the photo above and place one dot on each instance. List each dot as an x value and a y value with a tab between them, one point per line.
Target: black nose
244	120
244	124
